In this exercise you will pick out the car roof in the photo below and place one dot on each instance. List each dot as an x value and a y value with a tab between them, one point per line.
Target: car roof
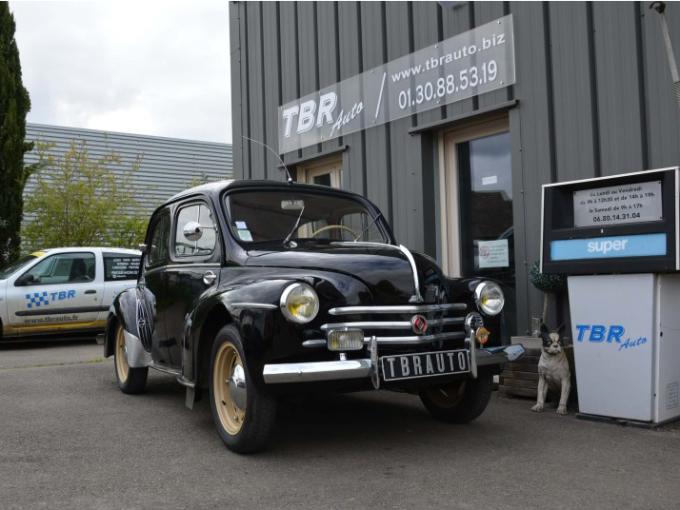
122	251
215	188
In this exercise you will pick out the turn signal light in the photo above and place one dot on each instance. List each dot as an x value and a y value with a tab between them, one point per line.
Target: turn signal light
482	335
345	340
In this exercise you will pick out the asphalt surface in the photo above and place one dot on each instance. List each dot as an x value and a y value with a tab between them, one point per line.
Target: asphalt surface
70	439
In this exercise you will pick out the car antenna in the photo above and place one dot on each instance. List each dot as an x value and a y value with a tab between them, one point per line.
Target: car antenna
288	178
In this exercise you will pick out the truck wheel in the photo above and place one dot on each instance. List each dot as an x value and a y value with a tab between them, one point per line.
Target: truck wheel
459	402
130	380
243	414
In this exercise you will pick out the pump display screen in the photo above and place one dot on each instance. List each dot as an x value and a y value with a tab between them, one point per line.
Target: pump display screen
625	223
617	205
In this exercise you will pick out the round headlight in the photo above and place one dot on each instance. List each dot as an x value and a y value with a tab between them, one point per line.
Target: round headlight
489	298
299	303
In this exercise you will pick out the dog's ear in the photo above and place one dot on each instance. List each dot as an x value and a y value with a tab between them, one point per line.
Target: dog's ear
560	328
544	329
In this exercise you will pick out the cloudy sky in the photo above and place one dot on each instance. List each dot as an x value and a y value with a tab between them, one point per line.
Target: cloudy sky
155	68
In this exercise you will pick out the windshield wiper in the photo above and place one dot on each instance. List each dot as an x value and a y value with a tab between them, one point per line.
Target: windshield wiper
297	222
369	226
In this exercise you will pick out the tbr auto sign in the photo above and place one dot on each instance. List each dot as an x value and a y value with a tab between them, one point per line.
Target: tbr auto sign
468	64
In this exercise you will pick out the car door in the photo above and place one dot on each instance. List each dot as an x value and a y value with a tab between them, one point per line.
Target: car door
151	288
194	269
62	292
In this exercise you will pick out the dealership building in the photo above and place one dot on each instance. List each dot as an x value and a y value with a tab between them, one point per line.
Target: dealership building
450	116
155	167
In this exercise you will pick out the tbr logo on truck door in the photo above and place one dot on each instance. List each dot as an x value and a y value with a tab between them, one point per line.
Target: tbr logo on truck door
613	334
39	299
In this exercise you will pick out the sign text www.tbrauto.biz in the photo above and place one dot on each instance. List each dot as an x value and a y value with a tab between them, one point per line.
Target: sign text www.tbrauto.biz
474	62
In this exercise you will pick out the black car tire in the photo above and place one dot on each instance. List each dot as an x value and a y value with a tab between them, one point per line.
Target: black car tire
242	430
131	381
459	402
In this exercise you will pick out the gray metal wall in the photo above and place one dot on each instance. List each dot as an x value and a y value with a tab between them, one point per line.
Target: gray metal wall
593	96
167	165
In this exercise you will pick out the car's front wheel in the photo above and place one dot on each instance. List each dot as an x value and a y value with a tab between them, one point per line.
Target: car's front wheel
243	414
459	402
130	380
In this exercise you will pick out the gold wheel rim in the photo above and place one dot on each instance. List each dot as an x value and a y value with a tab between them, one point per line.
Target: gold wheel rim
122	367
447	396
231	416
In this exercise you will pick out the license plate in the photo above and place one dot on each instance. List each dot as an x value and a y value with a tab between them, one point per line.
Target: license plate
424	364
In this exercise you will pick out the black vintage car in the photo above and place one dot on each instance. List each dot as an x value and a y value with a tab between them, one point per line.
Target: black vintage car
255	289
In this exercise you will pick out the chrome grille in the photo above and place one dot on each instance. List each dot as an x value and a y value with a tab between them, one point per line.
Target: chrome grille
391	325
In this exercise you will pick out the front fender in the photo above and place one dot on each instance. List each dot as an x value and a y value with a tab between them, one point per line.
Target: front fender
123	311
252	307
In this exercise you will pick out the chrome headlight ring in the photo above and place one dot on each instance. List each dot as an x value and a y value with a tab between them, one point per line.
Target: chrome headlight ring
299	303
489	298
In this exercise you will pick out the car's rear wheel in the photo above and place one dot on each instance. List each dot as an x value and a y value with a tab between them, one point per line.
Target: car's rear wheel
459	402
130	380
243	414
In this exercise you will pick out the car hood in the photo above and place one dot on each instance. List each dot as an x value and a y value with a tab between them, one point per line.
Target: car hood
384	270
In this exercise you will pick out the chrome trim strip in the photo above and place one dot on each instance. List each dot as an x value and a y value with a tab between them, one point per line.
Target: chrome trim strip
356	310
165	370
261	306
316	371
471	341
314	343
416	340
396	340
367	244
367	324
389	324
414	269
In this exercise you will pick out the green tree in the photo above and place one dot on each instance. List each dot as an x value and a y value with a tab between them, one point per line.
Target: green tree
14	104
81	201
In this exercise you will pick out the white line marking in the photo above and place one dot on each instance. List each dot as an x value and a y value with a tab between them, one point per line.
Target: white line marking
382	87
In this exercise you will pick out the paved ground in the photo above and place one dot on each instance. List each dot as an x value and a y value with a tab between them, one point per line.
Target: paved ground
70	439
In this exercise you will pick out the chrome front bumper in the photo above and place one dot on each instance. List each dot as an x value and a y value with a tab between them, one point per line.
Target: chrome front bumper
278	373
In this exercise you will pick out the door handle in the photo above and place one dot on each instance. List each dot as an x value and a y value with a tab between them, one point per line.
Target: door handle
209	277
90	291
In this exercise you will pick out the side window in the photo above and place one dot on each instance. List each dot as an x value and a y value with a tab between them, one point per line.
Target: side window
63	268
200	215
120	267
157	251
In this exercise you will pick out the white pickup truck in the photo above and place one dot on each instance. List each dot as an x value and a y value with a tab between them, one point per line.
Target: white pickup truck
64	291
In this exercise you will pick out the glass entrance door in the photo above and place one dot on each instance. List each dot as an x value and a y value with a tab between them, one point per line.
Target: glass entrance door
485	215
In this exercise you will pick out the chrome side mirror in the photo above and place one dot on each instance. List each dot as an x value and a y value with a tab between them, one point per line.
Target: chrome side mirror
192	231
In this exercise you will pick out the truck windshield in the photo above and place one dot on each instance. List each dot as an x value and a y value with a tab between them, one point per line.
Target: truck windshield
278	216
12	268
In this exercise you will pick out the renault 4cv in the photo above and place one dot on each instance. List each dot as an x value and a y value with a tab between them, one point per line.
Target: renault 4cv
254	289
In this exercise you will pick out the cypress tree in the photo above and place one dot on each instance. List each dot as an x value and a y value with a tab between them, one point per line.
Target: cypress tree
14	105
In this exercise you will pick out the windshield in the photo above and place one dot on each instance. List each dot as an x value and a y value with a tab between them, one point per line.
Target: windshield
278	216
23	261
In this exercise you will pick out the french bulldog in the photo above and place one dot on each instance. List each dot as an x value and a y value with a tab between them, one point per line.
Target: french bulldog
553	370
